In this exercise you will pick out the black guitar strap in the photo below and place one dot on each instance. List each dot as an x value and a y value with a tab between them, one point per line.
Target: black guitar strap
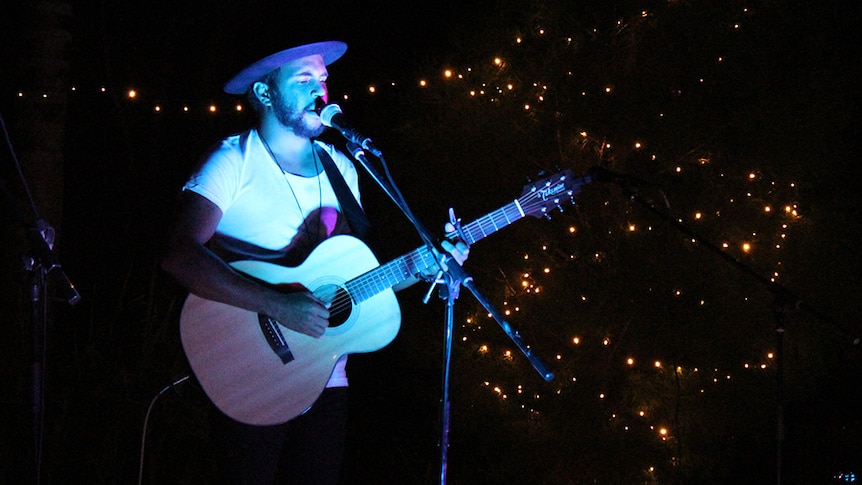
359	224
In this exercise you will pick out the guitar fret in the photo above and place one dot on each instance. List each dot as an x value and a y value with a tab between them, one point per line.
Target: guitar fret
390	274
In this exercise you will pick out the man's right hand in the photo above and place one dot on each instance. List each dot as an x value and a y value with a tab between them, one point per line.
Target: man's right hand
302	312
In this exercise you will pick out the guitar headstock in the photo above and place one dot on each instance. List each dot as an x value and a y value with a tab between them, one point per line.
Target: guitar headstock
539	198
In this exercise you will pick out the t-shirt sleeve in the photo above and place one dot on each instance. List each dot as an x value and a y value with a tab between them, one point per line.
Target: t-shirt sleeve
218	177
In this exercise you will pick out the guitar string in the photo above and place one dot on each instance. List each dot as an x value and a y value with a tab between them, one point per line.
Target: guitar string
343	300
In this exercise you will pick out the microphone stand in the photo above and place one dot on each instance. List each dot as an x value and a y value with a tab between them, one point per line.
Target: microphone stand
454	276
783	299
39	262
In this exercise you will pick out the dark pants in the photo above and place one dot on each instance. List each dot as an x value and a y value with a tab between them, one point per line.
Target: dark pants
305	450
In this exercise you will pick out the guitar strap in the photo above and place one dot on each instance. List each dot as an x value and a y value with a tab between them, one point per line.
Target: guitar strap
359	223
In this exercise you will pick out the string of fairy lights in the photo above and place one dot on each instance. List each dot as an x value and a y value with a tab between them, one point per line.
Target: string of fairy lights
784	213
773	200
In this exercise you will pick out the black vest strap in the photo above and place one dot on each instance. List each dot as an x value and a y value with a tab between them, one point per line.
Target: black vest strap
359	224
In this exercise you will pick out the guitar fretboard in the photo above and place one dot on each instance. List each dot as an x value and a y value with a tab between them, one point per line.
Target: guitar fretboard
535	202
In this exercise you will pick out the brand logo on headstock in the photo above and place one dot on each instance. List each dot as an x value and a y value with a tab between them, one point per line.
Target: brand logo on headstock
547	192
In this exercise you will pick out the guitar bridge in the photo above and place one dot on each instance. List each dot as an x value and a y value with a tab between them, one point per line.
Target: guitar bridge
275	338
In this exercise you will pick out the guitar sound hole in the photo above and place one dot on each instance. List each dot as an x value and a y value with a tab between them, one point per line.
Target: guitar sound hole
341	305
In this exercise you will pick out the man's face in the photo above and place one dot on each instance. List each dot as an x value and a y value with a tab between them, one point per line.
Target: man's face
294	94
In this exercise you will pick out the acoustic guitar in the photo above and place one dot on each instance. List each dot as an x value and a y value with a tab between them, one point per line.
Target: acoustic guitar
259	372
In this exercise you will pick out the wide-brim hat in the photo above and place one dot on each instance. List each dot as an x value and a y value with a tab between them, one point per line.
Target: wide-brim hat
329	50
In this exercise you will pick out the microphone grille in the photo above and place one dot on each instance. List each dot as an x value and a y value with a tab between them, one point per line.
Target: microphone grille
328	112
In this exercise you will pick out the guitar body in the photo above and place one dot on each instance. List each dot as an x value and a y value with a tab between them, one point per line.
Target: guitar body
238	368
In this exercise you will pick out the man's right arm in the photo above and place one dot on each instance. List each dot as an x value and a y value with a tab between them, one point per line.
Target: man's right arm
203	273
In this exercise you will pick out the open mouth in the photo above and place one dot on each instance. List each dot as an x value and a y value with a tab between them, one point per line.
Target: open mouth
319	103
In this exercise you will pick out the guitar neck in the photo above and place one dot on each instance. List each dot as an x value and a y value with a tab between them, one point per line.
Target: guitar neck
536	200
421	259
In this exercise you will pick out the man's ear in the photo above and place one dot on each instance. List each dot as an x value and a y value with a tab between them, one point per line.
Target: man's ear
261	91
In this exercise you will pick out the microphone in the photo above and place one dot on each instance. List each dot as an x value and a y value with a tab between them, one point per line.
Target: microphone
599	174
332	117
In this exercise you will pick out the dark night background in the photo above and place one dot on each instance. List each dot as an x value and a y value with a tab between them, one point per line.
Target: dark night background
738	107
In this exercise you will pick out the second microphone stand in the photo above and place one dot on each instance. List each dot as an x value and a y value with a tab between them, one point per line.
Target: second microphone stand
783	299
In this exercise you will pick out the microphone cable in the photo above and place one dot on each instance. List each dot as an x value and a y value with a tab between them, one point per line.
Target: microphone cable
147	420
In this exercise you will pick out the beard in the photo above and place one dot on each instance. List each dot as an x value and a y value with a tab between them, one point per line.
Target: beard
291	118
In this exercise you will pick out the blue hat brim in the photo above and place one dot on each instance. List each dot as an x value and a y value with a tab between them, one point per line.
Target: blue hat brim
329	50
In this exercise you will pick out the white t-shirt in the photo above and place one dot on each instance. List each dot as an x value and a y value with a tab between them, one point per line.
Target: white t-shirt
271	209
